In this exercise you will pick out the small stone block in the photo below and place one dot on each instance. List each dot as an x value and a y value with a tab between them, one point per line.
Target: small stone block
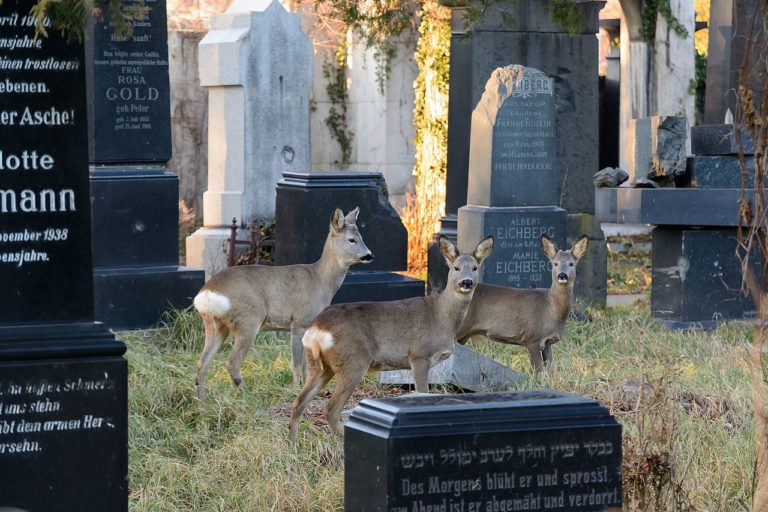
719	139
517	259
531	450
464	368
720	172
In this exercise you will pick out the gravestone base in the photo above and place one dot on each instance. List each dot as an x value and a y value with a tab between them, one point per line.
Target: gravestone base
207	248
535	450
137	298
466	369
592	270
517	259
63	418
437	270
135	246
697	278
375	286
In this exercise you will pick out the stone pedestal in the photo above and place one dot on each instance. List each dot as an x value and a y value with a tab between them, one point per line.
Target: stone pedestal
466	369
257	65
517	259
305	202
499	451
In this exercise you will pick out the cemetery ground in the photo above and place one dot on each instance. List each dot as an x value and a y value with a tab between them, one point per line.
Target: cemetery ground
688	431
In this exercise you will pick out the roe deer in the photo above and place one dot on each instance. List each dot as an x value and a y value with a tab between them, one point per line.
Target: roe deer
534	318
246	299
347	340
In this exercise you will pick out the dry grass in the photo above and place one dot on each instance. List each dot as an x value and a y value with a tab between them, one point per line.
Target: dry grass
687	435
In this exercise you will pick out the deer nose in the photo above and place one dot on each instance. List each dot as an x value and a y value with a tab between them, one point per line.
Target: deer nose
367	257
466	284
562	276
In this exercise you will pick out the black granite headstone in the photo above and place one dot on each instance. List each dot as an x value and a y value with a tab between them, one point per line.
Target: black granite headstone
536	450
135	199
722	171
719	139
304	205
63	396
517	259
130	106
513	149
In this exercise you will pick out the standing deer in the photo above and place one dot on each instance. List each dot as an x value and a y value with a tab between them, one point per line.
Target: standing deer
246	299
347	340
534	318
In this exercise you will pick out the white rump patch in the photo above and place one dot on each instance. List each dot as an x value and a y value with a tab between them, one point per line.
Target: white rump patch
319	338
212	303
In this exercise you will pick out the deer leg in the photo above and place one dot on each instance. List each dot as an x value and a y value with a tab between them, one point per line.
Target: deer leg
420	373
536	358
243	339
215	334
318	377
345	384
298	359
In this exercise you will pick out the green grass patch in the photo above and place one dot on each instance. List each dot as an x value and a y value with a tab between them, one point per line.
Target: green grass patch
687	443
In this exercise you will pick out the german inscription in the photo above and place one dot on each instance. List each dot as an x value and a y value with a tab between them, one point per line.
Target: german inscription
44	195
494	474
131	116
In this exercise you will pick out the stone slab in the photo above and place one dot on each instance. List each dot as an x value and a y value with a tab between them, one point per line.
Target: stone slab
696	277
517	259
669	207
135	216
720	171
513	148
533	448
306	201
139	297
531	16
466	369
130	99
719	139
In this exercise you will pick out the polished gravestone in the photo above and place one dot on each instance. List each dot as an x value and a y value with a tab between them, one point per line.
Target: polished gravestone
535	450
305	202
513	148
63	382
135	199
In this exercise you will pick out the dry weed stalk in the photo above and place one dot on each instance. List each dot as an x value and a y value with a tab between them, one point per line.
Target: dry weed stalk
753	229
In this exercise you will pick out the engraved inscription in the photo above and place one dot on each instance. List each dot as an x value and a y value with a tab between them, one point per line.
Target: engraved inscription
539	475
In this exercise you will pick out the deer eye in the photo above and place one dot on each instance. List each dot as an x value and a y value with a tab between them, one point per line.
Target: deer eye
456	269
570	264
352	241
474	268
555	264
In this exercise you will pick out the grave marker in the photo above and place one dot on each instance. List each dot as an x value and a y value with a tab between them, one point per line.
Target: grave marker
536	450
63	382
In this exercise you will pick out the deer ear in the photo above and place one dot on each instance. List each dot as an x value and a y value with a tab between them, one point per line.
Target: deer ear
579	248
351	217
483	249
337	220
447	249
550	249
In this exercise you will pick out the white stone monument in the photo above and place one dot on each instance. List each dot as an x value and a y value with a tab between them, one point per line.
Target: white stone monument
256	63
